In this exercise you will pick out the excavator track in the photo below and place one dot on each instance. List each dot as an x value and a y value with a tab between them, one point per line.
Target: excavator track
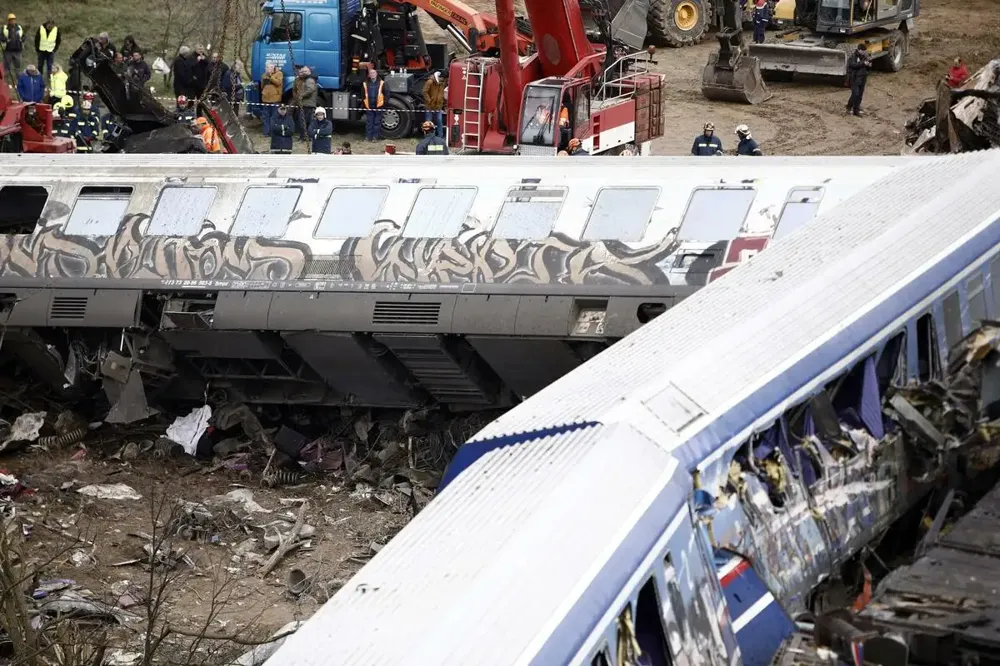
680	23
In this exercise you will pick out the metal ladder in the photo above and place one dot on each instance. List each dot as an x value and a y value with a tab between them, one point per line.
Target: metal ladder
473	105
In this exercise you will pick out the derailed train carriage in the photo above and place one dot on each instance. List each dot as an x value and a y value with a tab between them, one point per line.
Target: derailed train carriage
683	495
368	282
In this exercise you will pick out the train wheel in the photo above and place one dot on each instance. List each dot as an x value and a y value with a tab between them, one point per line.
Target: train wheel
679	22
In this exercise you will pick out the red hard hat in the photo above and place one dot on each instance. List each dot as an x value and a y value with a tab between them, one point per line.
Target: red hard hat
181	99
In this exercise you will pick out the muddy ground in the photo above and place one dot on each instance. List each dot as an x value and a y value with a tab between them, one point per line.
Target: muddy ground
809	118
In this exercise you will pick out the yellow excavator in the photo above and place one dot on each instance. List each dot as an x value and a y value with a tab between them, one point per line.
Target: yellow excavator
824	32
732	74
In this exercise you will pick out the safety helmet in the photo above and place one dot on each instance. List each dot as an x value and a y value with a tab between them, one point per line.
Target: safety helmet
321	112
11	17
66	102
427	126
181	100
743	130
709	127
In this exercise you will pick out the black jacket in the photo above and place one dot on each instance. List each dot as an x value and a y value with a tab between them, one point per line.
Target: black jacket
857	67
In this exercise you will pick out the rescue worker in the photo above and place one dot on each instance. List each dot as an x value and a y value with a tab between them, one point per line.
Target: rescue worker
306	96
67	110
272	87
57	84
575	148
321	133
60	126
47	40
183	112
138	69
434	102
12	45
565	131
374	103
30	85
86	128
748	145
431	144
957	74
761	18
282	131
209	135
707	144
857	75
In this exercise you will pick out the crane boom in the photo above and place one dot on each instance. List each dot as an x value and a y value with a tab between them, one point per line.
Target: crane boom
479	32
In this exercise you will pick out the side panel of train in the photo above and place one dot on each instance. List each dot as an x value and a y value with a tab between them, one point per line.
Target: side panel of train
381	287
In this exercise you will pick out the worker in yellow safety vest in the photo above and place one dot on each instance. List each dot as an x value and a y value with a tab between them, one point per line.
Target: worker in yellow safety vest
57	84
47	41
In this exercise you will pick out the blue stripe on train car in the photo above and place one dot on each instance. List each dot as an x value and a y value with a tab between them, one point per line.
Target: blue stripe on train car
759	621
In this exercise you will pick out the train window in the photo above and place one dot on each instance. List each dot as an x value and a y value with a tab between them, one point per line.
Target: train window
952	319
891	367
439	212
266	211
995	286
180	211
800	207
976	297
351	212
529	212
98	211
602	658
715	214
928	357
21	207
649	630
621	213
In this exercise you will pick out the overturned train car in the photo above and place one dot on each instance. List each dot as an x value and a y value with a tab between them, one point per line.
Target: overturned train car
685	496
368	282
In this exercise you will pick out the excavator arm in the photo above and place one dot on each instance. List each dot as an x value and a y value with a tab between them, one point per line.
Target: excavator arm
478	32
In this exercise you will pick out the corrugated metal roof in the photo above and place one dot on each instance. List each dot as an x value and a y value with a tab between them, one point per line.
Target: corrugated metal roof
720	343
492	565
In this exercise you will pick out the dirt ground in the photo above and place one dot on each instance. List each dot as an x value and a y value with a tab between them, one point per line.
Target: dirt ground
808	118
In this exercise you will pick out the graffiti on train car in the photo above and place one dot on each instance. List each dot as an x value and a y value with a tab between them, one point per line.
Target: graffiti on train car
475	256
133	254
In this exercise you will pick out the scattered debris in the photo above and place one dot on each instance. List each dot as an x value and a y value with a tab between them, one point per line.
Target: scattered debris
116	491
187	430
959	120
26	429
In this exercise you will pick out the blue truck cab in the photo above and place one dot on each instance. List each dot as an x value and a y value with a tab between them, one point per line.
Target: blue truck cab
331	37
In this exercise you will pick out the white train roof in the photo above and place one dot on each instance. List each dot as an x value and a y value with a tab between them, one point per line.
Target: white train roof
455	587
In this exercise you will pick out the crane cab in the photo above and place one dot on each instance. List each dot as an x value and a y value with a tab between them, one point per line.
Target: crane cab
553	111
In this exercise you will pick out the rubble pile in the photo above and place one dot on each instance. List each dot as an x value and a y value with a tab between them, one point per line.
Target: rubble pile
959	120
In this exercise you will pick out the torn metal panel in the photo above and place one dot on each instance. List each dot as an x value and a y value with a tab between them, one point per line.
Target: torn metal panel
959	120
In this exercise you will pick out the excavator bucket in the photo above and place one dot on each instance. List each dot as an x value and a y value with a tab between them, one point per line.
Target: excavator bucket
735	80
800	57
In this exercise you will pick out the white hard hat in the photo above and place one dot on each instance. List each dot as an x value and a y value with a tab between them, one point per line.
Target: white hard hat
321	111
742	129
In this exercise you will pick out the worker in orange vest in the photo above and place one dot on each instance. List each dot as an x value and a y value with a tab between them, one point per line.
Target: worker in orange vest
565	131
209	135
374	103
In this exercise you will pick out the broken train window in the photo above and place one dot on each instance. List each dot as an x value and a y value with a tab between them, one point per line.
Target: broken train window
952	308
98	211
180	211
351	212
891	366
928	354
266	212
529	212
975	296
21	207
649	630
762	459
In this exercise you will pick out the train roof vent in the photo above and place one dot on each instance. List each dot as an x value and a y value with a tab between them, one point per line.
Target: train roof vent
68	307
406	313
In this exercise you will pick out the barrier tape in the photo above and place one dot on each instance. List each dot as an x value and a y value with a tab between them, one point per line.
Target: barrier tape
173	102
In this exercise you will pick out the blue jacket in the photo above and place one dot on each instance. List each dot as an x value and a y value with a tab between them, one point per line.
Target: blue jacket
762	14
432	145
30	88
320	133
748	146
86	129
231	84
706	145
282	131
